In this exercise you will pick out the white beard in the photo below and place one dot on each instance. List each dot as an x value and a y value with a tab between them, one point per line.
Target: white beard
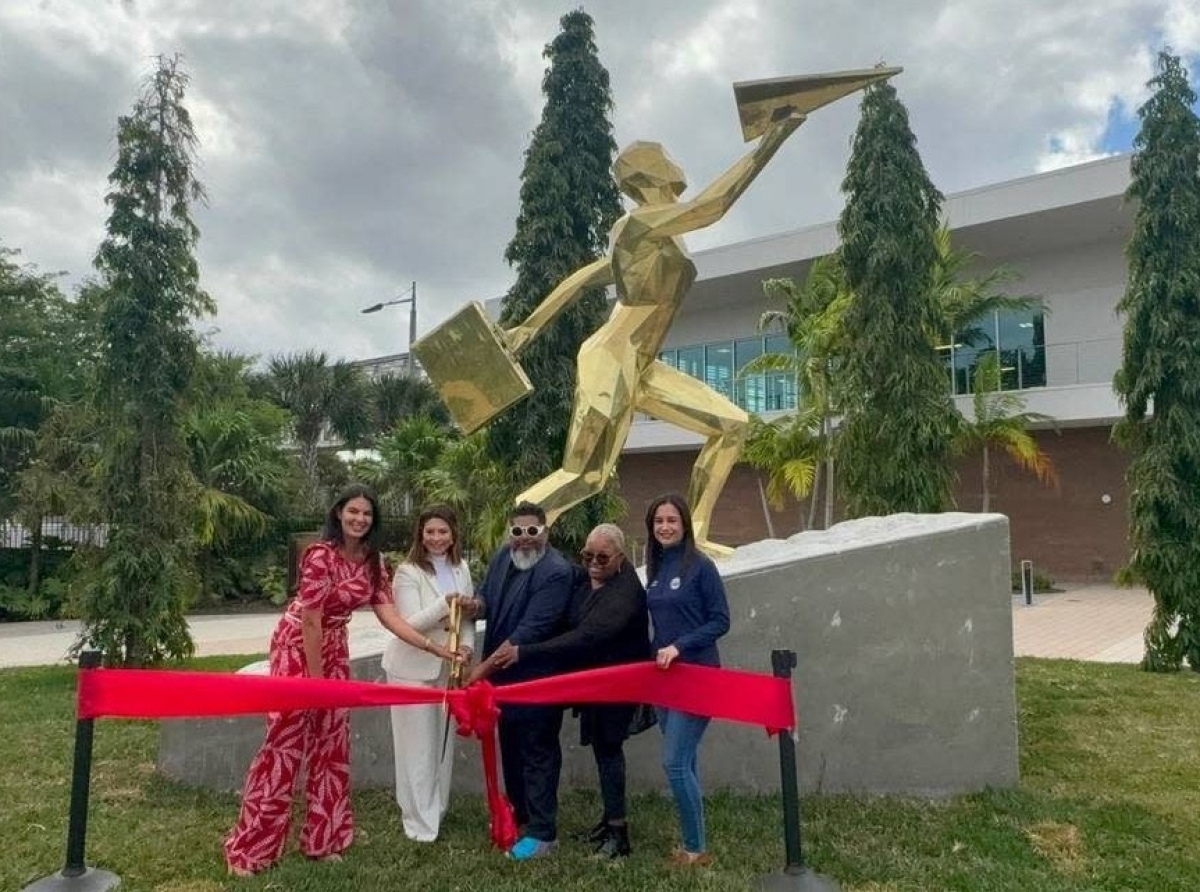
525	558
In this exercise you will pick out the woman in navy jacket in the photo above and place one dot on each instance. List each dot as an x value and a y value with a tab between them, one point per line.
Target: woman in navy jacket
690	612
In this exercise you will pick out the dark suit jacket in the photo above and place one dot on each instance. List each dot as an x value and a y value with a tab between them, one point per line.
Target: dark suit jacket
533	609
606	627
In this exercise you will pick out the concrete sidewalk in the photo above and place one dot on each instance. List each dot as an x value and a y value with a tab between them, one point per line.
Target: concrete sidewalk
1096	622
1084	622
45	643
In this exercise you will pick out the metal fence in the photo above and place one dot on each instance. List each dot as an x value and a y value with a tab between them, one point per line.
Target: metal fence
56	532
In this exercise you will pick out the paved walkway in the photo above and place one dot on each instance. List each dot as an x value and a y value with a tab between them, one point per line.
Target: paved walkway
1094	622
1084	622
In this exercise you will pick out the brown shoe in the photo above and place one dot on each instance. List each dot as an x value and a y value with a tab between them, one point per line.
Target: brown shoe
683	858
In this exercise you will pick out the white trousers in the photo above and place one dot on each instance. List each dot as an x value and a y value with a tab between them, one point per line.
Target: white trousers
422	774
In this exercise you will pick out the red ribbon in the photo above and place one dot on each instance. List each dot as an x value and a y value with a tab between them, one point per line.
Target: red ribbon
732	694
475	712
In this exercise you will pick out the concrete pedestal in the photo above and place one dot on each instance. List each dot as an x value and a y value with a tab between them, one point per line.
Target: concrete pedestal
903	630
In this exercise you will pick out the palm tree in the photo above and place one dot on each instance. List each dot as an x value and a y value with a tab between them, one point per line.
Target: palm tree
241	485
963	301
789	449
241	473
479	487
412	446
397	397
812	319
324	398
999	422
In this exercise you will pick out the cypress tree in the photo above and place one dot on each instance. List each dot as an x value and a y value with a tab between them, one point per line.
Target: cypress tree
134	600
1159	378
895	442
569	201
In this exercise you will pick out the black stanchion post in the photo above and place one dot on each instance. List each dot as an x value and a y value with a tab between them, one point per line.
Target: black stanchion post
76	876
1027	582
795	876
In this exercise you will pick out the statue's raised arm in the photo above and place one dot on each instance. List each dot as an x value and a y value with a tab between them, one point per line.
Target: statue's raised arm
715	200
595	274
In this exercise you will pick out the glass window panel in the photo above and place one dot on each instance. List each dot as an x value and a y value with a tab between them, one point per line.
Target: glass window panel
669	357
1021	335
749	390
779	388
718	368
691	361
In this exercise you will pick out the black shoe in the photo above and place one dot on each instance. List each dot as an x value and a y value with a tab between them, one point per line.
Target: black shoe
594	835
615	844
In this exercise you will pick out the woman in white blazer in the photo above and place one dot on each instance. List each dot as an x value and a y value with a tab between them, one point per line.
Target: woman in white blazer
430	579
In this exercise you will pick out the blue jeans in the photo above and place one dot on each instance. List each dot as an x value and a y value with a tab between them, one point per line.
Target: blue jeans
681	742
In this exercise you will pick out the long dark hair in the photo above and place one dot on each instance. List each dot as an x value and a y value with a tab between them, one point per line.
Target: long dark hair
373	540
417	553
654	549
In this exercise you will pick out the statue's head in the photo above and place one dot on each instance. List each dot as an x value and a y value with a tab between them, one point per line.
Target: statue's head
644	171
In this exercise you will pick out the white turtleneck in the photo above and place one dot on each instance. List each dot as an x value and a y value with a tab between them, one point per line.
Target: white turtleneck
444	573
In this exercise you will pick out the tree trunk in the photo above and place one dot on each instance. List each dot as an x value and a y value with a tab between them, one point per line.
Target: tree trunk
762	496
308	459
812	498
35	555
987	496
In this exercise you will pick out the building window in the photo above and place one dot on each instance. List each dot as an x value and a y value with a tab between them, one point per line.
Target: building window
690	361
720	365
1016	337
782	394
718	368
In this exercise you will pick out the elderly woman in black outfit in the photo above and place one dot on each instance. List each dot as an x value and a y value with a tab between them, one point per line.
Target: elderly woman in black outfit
607	626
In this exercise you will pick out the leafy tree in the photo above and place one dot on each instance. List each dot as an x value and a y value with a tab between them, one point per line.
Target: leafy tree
999	421
37	365
479	488
895	442
397	397
812	319
412	447
133	602
569	201
233	441
1159	378
323	397
963	301
789	449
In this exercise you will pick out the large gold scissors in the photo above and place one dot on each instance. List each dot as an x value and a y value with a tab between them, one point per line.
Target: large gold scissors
457	666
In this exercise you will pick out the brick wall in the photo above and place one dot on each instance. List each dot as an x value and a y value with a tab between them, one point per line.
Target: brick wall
1067	531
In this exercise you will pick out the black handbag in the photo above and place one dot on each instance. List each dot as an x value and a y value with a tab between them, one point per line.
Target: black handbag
644	716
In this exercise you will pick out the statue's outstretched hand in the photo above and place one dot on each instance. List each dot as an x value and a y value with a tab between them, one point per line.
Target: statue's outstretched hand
518	337
786	120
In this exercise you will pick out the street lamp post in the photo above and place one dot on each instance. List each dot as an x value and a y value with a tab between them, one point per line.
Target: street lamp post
411	300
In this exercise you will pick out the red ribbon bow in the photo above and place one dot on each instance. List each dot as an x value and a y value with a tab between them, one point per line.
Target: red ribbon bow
476	713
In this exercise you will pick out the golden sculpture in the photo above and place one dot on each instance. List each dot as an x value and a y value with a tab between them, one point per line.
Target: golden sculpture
618	371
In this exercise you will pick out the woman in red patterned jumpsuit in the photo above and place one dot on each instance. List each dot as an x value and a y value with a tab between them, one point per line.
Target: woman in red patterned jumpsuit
342	572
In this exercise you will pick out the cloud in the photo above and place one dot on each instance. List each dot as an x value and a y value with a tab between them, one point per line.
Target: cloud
351	147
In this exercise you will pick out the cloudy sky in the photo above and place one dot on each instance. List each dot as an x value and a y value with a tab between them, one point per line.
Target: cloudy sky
350	147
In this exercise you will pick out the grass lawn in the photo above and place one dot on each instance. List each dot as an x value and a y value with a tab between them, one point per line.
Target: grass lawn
1109	800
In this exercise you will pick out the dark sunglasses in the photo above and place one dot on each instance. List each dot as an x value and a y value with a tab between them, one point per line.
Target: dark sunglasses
531	531
599	558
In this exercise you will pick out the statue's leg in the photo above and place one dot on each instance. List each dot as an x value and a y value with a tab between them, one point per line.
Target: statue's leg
600	419
673	396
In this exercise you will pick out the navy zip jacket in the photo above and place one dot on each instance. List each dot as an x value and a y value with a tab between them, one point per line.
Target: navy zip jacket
689	610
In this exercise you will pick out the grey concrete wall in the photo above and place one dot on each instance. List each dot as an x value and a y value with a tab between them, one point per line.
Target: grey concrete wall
903	631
